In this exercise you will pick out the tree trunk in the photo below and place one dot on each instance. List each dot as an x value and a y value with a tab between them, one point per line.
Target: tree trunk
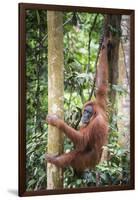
113	57
55	93
124	80
112	32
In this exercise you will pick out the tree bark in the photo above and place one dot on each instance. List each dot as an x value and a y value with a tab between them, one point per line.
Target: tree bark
55	93
113	57
124	80
112	33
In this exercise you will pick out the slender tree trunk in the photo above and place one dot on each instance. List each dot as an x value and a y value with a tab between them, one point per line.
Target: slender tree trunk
124	80
55	93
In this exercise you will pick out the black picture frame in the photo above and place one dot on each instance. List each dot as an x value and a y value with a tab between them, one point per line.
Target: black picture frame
22	97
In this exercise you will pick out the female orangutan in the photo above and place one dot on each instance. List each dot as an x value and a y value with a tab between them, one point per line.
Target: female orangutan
91	137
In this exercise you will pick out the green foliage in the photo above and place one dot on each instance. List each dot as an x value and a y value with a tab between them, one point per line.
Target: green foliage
36	99
120	89
36	146
114	30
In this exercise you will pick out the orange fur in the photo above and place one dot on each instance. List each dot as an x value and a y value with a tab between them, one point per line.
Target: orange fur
90	139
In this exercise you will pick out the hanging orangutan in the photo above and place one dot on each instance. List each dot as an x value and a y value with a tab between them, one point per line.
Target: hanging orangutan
92	136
